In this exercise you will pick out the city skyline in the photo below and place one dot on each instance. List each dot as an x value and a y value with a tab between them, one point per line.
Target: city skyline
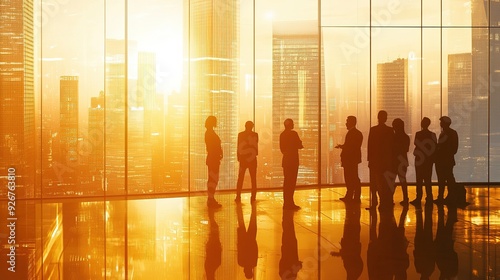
224	78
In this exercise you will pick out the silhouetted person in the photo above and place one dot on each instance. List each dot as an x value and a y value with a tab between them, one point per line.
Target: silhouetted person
247	242
214	156
400	156
350	250
446	257
290	144
247	152
424	253
380	144
425	148
350	158
213	255
447	147
289	264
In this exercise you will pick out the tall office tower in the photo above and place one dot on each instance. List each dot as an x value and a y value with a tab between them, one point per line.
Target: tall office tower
96	140
213	80
68	131
459	100
485	86
296	93
115	116
17	95
392	91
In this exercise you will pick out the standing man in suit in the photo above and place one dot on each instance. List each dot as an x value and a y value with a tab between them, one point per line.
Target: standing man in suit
290	144
425	147
247	151
447	147
380	144
350	158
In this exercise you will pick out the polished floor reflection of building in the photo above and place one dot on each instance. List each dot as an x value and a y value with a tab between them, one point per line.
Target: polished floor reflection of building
179	238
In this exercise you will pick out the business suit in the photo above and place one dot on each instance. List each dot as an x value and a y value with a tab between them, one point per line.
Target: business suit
380	159
290	144
247	151
350	157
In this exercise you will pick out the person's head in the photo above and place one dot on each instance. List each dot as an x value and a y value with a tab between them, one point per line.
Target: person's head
248	272
350	122
249	125
210	122
445	121
288	124
398	125
425	123
382	116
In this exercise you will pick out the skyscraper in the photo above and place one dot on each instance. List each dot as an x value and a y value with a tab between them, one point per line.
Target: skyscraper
17	96
485	85
68	104
213	80
296	93
392	91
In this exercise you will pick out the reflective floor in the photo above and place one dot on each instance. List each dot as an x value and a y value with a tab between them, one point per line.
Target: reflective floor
178	238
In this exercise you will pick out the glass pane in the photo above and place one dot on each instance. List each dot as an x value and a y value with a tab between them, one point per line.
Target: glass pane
467	95
396	13
214	71
396	75
431	13
494	9
345	13
459	13
494	93
431	96
347	75
72	115
288	41
155	68
115	99
246	93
